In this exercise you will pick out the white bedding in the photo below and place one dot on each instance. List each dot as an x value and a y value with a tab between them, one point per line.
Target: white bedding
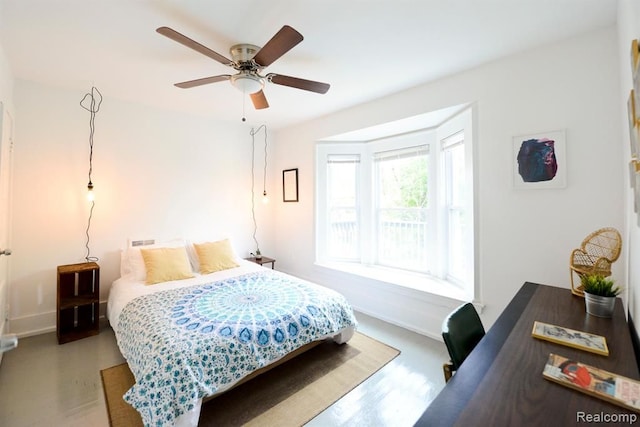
126	290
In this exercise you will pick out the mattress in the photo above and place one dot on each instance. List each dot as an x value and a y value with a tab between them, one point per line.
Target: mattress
188	339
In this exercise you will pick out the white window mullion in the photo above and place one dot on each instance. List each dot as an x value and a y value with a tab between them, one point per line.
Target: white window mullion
368	242
436	214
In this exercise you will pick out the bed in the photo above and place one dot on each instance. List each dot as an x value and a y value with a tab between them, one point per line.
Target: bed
202	333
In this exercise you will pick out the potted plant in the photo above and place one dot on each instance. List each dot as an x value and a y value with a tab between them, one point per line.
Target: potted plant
258	254
599	294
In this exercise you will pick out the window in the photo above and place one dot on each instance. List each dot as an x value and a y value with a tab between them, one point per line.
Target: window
342	216
400	191
401	203
454	183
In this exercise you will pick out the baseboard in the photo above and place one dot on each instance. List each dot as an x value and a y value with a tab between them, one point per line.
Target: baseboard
41	323
35	324
396	322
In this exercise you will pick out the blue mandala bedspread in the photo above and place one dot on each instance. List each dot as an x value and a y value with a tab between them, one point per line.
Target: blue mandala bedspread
188	343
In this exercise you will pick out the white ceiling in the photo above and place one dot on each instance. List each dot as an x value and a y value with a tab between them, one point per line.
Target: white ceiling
364	48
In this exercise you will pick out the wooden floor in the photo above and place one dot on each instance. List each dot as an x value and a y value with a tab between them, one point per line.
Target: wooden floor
46	384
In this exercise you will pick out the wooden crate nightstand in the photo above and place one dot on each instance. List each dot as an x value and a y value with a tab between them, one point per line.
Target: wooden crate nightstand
78	306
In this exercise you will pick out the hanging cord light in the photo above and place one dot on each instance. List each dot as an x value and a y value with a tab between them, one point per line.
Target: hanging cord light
264	192
265	199
91	102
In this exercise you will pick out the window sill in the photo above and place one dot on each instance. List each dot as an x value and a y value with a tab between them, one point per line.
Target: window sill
405	279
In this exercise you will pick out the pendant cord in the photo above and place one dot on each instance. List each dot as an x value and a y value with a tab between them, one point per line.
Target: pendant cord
253	161
253	201
264	177
95	98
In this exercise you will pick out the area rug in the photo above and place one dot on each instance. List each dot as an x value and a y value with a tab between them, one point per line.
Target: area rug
288	395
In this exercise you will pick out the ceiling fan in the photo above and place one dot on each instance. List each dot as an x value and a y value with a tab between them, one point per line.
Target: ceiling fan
249	61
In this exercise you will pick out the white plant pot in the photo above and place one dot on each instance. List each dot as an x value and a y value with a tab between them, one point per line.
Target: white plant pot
599	306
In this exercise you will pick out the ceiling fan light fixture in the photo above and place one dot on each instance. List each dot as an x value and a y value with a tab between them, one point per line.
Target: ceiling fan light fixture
249	61
247	83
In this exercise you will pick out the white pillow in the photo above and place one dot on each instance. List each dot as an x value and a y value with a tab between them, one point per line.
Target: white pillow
132	263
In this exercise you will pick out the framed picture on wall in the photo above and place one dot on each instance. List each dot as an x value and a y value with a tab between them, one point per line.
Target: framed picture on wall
635	95
636	197
539	160
633	123
290	185
635	58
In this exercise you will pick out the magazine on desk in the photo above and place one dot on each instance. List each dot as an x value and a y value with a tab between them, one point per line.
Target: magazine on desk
596	382
570	337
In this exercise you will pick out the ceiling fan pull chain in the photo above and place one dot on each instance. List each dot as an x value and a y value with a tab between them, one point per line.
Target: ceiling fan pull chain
244	99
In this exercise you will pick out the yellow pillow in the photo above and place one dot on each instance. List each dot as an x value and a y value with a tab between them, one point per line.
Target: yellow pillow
215	256
164	264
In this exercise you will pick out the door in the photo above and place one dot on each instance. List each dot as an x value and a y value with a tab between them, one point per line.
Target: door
6	154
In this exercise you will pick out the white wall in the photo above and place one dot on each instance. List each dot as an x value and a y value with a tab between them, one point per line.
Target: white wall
6	98
522	235
629	29
157	174
6	81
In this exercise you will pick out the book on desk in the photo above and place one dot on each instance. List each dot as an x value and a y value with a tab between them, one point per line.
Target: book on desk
605	385
570	337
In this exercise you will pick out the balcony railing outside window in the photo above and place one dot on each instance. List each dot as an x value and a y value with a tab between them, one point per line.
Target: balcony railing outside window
343	236
402	238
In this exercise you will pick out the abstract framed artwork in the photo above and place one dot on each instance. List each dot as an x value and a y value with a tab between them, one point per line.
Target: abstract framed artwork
290	185
539	160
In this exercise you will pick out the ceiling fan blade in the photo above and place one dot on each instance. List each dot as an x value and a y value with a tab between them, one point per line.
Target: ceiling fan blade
282	42
203	81
182	39
298	83
259	100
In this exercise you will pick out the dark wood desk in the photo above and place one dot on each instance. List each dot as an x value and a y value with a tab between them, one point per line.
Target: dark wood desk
501	383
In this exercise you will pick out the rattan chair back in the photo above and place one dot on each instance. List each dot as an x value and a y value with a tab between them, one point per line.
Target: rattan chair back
597	252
